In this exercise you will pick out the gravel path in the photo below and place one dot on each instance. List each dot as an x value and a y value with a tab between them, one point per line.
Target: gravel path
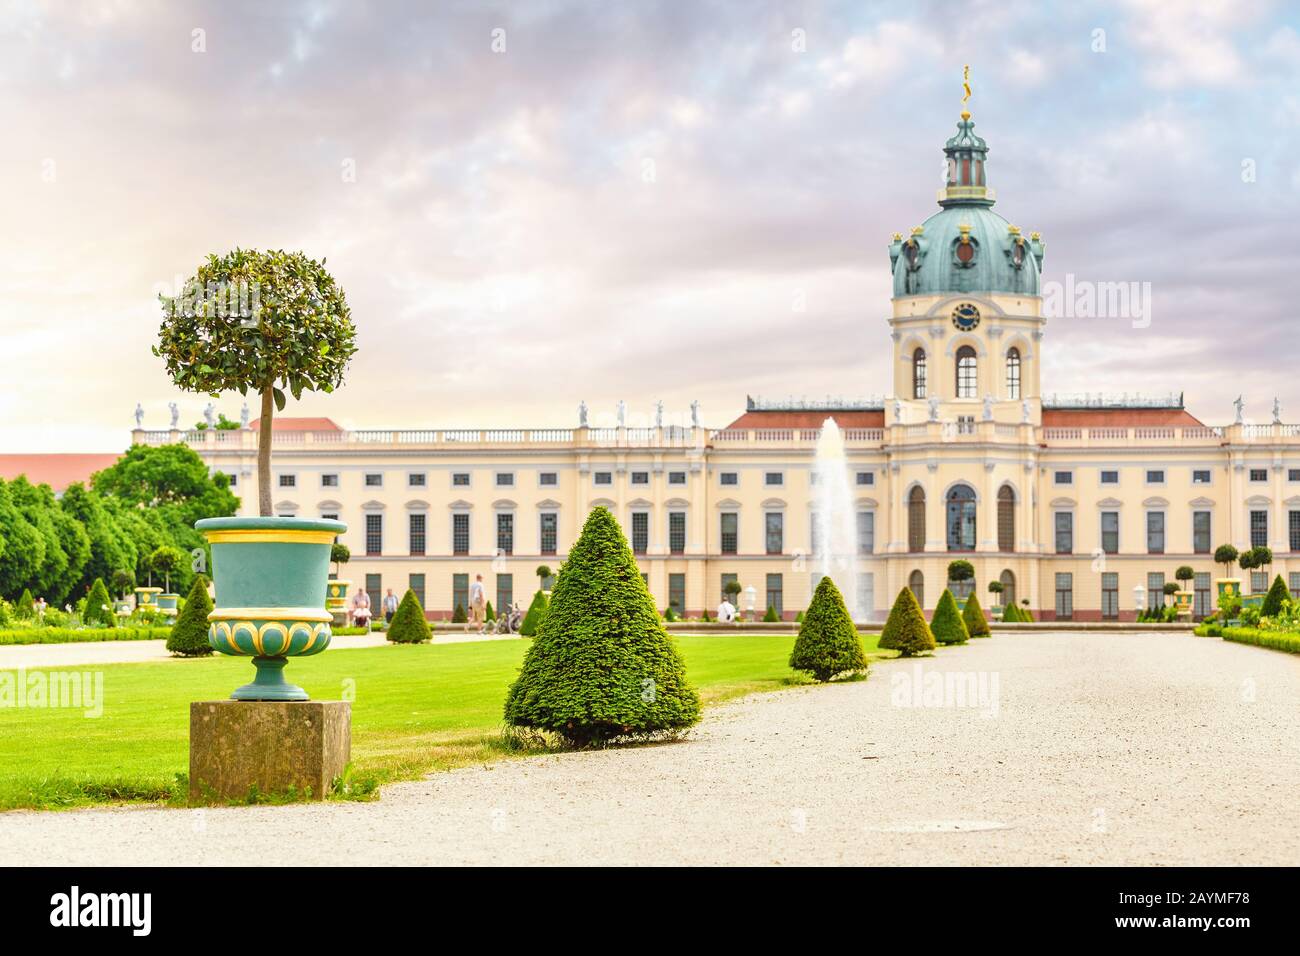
1101	749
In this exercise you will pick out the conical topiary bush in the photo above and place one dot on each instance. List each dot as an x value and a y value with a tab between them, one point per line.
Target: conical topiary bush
771	617
828	642
458	615
533	616
99	606
26	606
189	635
408	625
488	613
973	615
1272	603
601	666
1009	614
947	625
906	630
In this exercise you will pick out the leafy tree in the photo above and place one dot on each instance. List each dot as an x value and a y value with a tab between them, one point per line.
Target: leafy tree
602	667
905	630
960	571
947	624
1273	600
996	588
123	582
167	475
828	643
408	625
1262	556
1184	574
167	561
534	615
108	547
223	424
189	635
543	573
732	589
1225	554
973	616
1247	560
37	505
297	336
22	547
99	606
340	554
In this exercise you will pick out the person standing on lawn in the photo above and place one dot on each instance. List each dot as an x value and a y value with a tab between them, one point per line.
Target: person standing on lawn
477	600
390	606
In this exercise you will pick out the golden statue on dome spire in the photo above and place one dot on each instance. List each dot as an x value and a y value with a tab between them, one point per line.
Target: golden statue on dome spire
965	85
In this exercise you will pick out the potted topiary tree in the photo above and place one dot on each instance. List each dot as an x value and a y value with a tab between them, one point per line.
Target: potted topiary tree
167	560
996	588
1248	561
732	590
336	588
1183	595
544	574
959	572
1226	555
271	323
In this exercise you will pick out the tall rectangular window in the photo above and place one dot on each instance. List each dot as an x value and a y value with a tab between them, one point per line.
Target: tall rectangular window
775	594
1293	584
727	578
375	589
677	532
416	521
1110	532
1155	532
640	532
1201	532
728	533
505	532
1109	596
1259	529
550	523
416	584
374	534
460	592
1258	582
866	532
677	592
775	532
1293	528
1201	605
460	532
1064	595
1064	532
1155	589
505	592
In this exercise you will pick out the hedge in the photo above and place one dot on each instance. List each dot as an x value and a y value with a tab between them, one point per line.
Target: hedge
601	666
1287	641
86	635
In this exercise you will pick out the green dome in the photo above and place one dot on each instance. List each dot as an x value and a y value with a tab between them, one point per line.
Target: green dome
965	246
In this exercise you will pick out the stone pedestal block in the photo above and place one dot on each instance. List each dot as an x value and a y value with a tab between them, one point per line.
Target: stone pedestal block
273	746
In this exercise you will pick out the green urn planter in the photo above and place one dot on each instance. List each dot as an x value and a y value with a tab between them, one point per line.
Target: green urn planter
1252	600
1183	602
1227	587
270	576
147	598
336	594
167	603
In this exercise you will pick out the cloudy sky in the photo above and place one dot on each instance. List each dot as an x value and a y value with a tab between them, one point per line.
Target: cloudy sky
535	203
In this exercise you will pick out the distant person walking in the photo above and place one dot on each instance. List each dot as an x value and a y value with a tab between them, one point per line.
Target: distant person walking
726	612
361	609
390	606
477	600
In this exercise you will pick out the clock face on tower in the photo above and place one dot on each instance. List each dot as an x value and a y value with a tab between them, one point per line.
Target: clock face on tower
965	318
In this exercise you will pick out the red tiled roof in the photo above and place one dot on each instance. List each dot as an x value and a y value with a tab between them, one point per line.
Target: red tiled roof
1115	417
299	425
57	470
809	419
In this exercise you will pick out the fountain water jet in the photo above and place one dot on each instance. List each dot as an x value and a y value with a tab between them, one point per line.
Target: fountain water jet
836	522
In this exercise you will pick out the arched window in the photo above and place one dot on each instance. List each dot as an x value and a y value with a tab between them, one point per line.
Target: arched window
916	582
1008	588
918	373
967	387
1006	519
961	519
916	519
1013	373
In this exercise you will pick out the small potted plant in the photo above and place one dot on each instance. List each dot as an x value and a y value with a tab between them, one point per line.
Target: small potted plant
167	560
1252	560
273	323
959	572
336	588
995	608
1183	595
1226	555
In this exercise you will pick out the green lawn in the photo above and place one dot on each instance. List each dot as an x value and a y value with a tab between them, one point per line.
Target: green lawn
415	709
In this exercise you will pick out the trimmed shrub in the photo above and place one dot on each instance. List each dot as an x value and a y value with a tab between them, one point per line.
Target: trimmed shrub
25	609
828	642
771	614
670	616
798	618
1288	641
1010	614
947	625
602	667
99	606
81	635
488	613
906	630
535	614
1272	604
973	616
189	636
408	625
458	615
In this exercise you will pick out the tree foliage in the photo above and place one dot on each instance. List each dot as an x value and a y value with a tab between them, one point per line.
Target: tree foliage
947	625
189	635
1277	594
828	643
906	630
973	616
409	625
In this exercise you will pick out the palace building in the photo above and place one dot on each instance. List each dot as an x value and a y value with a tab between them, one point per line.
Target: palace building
1070	503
